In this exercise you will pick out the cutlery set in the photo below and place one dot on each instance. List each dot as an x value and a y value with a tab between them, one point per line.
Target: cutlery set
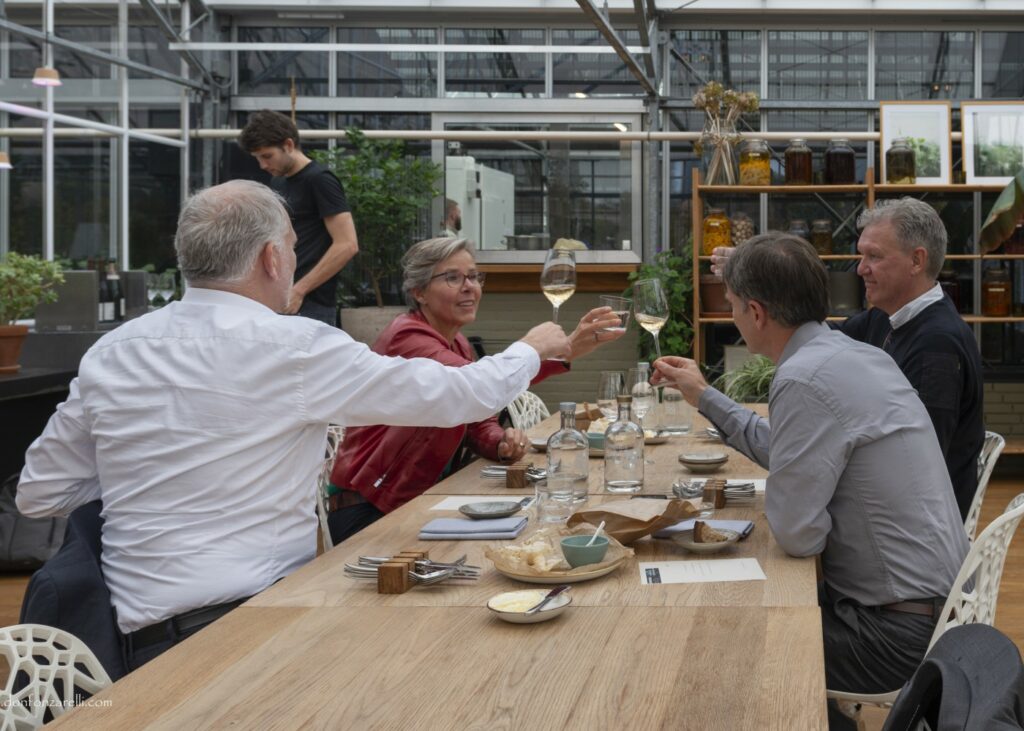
426	572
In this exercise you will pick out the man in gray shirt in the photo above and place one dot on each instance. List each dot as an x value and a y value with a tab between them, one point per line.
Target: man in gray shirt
857	474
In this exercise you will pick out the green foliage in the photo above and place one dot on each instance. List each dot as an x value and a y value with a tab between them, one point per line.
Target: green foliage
25	281
387	190
750	382
675	270
926	158
997	160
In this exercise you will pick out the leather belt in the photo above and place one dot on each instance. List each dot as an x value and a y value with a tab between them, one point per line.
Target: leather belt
170	629
344	499
926	609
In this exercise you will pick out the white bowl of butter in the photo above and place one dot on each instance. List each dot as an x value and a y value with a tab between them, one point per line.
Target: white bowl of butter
511	606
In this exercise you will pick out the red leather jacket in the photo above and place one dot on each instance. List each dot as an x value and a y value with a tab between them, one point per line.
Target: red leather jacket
390	465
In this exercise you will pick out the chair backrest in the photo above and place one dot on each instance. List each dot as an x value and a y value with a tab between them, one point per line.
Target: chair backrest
983	565
58	668
990	451
527	410
335	436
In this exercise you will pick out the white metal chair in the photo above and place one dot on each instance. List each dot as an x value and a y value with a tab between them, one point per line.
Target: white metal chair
335	436
58	667
527	410
990	451
983	564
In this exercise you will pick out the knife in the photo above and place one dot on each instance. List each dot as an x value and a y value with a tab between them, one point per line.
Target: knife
547	598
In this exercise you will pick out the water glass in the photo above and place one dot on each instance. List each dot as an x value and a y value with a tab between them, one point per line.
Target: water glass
620	306
555	501
677	415
611	385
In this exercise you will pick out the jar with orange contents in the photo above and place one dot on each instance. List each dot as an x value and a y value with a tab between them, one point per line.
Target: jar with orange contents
717	231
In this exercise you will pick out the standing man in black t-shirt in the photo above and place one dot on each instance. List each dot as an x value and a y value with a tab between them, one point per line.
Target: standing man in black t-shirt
320	214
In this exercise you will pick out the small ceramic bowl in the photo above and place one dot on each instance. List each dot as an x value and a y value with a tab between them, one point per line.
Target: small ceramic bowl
577	553
703	464
596	440
511	606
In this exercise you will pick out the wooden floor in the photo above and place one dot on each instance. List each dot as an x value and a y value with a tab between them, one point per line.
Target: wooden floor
1009	614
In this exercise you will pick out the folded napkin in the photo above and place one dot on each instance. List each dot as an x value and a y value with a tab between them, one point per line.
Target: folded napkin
743	527
461	529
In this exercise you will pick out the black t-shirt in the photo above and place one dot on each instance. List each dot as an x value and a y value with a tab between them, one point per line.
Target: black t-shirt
313	194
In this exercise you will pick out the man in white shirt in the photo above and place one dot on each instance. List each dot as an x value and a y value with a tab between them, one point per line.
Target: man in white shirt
202	426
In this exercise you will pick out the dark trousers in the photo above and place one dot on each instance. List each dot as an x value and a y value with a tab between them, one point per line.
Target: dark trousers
136	658
319	312
346	522
867	649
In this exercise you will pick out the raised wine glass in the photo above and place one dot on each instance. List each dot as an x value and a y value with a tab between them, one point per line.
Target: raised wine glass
650	308
558	278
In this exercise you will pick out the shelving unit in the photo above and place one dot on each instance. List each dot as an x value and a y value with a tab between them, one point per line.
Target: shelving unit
869	190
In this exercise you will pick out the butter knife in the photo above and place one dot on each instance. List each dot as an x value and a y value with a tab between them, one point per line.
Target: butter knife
547	598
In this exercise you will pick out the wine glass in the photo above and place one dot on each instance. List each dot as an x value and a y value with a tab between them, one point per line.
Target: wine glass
642	392
610	386
152	288
167	286
558	278
650	308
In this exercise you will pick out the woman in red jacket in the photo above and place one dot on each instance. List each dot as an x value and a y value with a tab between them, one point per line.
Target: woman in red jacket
379	468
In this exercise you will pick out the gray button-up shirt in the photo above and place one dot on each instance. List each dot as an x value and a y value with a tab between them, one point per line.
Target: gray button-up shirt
856	470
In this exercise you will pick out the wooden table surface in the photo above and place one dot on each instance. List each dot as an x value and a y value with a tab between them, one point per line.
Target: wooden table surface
322	650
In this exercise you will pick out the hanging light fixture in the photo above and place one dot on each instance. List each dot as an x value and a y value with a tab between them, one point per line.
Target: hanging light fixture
5	161
46	76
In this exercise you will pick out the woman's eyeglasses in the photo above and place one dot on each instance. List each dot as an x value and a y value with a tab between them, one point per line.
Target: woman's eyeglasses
455	279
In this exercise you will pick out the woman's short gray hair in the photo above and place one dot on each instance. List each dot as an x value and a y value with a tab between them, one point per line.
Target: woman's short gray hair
421	258
222	229
916	224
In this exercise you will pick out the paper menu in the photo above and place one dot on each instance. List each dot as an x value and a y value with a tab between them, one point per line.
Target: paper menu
700	572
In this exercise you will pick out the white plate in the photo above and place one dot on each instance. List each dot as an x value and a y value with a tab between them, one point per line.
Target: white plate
490	510
555	607
685	539
564	577
703	457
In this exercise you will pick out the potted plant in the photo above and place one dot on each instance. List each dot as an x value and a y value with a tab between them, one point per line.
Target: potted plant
25	281
673	269
750	382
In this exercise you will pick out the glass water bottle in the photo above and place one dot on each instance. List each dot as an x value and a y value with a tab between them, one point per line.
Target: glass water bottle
624	452
565	488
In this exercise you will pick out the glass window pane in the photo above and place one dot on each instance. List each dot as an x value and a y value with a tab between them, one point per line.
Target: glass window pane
74	65
817	65
26	54
497	74
387	73
272	72
153	204
1002	65
924	65
148	45
730	56
592	74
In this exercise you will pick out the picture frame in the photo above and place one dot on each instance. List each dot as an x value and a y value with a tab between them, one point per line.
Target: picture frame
927	125
993	138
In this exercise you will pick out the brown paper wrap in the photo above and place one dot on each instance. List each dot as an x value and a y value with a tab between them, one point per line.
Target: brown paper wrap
516	557
629	520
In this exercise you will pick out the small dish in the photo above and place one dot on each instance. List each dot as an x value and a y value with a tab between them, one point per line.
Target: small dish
578	553
596	441
490	510
703	457
528	598
658	438
685	539
541	445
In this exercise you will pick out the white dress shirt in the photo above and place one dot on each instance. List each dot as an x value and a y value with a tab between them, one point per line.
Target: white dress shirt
202	427
915	307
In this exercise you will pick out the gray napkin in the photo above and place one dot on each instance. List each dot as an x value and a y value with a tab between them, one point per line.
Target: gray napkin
462	529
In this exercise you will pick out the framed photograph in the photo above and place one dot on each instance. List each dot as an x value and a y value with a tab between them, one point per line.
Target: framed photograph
993	141
926	125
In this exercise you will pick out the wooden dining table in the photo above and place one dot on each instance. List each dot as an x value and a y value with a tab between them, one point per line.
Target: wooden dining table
320	649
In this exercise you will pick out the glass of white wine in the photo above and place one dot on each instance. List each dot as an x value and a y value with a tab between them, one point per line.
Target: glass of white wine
558	278
650	308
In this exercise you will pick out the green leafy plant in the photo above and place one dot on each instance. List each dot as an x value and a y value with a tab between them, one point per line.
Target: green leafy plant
750	382
926	158
25	281
388	190
674	271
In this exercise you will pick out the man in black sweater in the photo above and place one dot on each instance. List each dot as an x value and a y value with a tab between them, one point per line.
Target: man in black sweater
903	244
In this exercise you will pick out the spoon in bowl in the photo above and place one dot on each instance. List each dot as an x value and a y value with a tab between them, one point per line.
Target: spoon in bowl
596	534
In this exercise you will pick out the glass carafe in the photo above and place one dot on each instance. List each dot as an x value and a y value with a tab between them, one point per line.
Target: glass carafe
624	452
565	488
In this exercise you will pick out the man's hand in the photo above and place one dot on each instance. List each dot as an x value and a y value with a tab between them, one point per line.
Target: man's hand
549	340
719	256
295	299
512	445
682	373
593	331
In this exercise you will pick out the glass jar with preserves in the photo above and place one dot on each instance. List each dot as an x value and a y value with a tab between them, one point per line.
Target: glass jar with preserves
840	163
799	163
742	228
950	284
755	163
821	235
798	227
996	293
899	163
717	231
